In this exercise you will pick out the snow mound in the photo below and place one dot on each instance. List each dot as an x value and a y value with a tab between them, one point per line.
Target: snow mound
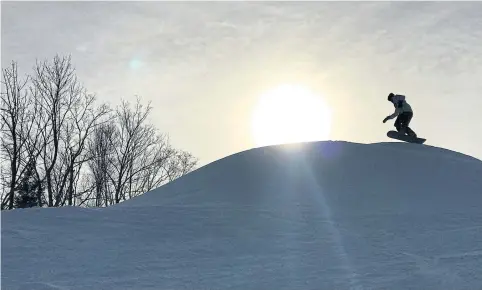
321	215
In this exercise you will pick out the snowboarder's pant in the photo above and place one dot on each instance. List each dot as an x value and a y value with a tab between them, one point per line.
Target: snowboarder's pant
402	122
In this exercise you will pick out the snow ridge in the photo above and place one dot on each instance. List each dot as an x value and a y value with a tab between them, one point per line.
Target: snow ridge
318	215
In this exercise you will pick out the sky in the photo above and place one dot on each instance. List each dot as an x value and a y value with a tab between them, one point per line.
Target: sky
206	65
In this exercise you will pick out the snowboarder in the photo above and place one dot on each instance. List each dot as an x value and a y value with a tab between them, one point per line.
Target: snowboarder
404	114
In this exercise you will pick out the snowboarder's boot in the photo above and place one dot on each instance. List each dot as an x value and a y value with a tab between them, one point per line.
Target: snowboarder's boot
410	132
407	131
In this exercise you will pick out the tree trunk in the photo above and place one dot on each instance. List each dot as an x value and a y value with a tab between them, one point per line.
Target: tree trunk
71	183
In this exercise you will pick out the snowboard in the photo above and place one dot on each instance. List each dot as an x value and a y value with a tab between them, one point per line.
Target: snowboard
406	138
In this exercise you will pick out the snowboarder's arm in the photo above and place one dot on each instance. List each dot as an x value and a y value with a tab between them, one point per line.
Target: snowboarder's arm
395	114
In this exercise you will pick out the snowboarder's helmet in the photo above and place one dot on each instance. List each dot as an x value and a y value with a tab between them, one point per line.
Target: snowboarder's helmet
390	96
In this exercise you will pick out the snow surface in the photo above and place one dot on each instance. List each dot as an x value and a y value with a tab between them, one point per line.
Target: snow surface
322	215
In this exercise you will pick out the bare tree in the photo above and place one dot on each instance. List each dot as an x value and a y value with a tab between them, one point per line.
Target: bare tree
133	139
100	150
181	163
68	116
148	160
57	89
15	126
83	118
155	175
52	128
148	167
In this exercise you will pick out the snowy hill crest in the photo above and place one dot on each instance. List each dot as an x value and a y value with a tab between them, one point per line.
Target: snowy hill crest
321	215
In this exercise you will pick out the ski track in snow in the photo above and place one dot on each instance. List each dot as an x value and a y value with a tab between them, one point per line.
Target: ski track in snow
322	215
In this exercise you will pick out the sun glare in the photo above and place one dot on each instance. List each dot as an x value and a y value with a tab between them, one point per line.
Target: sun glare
290	114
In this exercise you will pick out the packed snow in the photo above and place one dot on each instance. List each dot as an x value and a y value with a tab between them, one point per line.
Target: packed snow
320	215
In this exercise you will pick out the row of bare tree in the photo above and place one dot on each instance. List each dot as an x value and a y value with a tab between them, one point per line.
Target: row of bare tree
58	147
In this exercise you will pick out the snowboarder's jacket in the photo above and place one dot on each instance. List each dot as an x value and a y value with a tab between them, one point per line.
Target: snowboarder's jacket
400	105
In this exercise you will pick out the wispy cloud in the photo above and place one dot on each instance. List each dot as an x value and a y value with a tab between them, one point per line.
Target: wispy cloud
203	57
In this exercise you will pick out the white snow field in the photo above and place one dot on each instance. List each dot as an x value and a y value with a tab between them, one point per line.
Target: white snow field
320	215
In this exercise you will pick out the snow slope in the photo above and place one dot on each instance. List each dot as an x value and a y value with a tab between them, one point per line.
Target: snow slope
322	215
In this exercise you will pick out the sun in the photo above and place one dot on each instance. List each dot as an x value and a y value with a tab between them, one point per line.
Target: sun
290	114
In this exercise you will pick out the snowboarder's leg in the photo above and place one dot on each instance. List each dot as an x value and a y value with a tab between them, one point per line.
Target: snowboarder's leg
406	117
398	122
401	123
